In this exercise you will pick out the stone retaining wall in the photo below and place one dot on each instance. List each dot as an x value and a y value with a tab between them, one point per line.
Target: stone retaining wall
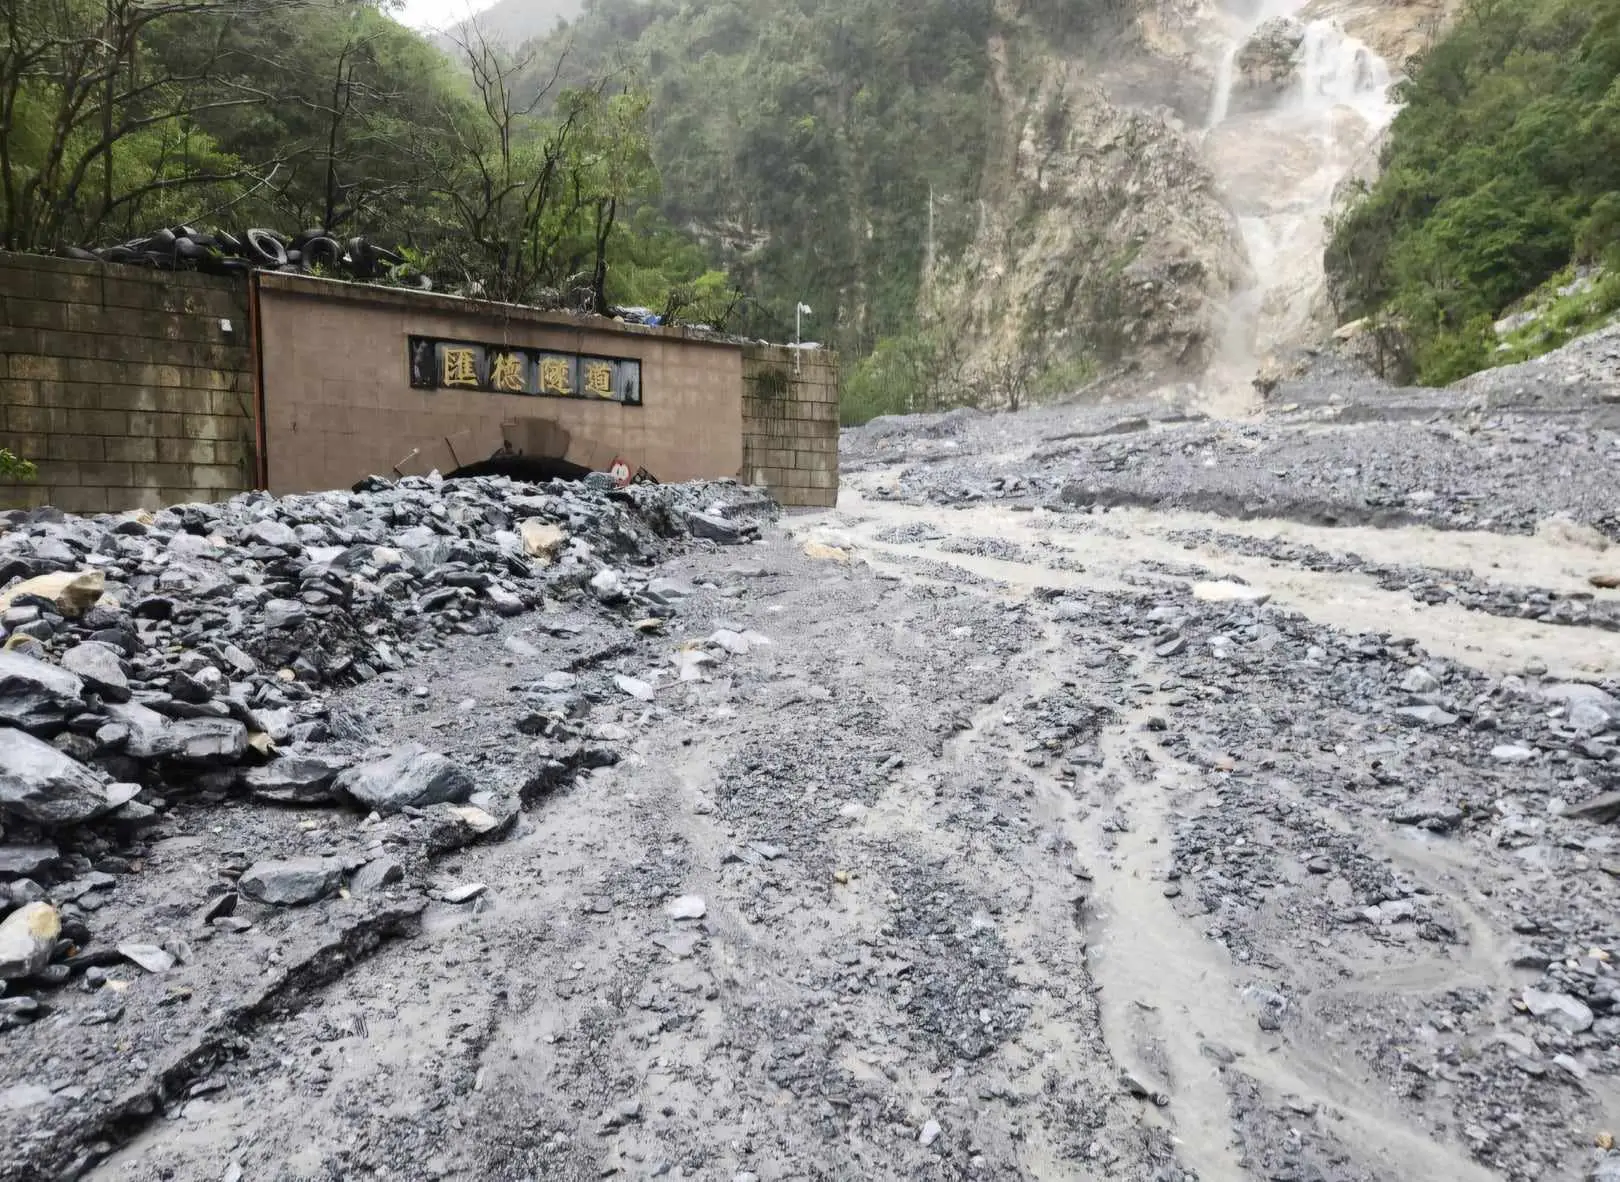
127	388
790	423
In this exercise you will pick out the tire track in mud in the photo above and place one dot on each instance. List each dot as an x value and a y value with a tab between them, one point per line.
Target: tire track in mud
1171	1003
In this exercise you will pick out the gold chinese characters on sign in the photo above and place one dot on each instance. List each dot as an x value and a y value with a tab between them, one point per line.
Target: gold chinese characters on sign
507	372
505	369
458	367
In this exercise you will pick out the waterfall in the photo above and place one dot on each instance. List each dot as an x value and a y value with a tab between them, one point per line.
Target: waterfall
1279	156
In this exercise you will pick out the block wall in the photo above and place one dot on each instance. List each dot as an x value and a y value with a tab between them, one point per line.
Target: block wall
127	388
790	423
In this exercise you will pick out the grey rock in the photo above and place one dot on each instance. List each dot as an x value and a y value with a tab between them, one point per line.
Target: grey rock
27	861
669	591
1569	1014
1172	648
22	891
298	779
101	668
144	733
1419	680
292	882
219	907
715	529
412	777
242	664
35	694
375	875
1525	957
1587	707
283	613
212	741
1604	809
40	784
1425	716
20	1097
269	532
464	892
1439	816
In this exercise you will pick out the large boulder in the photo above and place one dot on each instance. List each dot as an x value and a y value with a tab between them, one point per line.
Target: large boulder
412	777
299	779
40	784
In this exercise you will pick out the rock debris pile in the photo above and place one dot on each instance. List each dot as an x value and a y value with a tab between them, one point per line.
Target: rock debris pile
1297	466
149	659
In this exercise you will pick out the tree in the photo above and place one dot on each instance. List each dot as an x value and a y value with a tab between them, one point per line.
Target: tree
93	128
532	188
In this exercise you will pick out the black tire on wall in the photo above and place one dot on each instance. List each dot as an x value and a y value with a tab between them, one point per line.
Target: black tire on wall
265	248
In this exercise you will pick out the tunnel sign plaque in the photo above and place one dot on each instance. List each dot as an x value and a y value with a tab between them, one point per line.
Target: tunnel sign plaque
508	369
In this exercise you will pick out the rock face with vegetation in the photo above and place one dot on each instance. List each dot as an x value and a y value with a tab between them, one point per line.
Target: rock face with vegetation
1500	176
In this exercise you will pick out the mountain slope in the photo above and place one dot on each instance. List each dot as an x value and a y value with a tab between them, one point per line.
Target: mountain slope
512	22
1502	170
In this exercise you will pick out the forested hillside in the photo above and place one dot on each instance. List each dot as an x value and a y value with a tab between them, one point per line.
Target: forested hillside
121	118
1501	174
803	140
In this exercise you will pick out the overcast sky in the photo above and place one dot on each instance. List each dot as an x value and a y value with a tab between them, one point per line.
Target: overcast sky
438	14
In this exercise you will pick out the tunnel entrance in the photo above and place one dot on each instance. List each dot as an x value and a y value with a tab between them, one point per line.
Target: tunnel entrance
532	469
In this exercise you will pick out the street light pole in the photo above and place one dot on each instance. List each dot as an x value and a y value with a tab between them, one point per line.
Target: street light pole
799	312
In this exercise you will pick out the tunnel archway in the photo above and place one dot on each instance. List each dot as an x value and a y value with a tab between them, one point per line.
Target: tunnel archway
531	469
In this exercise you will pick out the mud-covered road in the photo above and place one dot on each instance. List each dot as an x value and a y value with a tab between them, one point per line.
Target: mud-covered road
1015	859
1012	838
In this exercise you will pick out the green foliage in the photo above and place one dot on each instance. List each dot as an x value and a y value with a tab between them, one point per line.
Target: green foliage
13	467
1064	377
1566	307
901	375
801	143
117	118
1503	166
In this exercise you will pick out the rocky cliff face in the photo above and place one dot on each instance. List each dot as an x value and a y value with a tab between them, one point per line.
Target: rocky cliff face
1103	238
1142	210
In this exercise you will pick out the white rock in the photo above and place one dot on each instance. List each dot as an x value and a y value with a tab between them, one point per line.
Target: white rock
1419	680
930	1133
733	642
634	686
687	907
1227	591
27	940
464	893
149	956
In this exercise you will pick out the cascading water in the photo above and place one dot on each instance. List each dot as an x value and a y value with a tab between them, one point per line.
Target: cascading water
1280	143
